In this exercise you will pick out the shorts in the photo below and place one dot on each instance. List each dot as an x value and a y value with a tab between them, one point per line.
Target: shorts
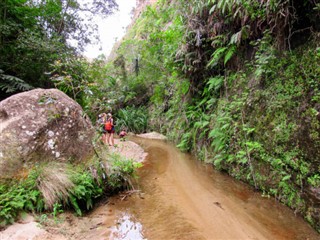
110	131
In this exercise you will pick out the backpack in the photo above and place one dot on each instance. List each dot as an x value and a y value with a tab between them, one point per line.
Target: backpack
108	126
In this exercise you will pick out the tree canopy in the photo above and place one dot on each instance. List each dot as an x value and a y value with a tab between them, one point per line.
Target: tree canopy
36	33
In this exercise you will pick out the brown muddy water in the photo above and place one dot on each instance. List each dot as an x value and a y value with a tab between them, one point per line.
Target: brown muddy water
181	198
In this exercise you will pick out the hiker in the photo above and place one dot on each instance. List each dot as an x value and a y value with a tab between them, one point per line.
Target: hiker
122	134
109	127
101	121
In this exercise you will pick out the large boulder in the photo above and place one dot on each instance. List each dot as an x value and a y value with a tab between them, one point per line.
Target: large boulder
41	125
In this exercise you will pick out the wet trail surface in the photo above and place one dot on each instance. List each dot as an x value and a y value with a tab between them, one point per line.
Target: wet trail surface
181	198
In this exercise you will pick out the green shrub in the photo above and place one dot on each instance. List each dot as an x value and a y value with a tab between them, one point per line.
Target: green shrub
54	187
19	196
121	172
132	119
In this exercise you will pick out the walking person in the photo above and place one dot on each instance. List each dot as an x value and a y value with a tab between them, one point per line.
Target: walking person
102	121
109	127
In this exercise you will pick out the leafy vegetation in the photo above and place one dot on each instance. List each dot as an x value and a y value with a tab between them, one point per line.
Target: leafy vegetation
235	83
132	119
16	197
35	34
12	84
54	187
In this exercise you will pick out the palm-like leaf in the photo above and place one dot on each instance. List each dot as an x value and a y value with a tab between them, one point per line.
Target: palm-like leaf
12	84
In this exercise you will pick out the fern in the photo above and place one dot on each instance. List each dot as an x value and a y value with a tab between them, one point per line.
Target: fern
74	203
216	56
237	37
230	52
226	52
12	84
184	145
215	83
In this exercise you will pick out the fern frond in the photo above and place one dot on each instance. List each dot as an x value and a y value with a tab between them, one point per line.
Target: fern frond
230	53
12	84
215	83
216	56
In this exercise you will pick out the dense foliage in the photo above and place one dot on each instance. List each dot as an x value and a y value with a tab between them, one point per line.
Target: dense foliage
236	83
34	34
50	188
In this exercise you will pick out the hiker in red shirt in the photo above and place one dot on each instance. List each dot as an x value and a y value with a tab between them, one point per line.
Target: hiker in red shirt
109	127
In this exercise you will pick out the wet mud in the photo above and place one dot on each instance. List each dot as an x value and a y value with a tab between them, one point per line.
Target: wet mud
181	198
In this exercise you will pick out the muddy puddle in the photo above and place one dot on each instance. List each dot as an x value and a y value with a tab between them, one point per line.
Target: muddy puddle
180	198
126	228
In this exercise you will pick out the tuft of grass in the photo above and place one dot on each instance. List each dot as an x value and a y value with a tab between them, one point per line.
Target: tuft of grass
55	184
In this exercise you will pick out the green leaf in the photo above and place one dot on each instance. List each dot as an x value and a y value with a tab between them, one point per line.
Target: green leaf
285	178
229	54
216	56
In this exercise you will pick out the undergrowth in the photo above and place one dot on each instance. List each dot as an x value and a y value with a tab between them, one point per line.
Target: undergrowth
261	126
234	82
132	119
53	187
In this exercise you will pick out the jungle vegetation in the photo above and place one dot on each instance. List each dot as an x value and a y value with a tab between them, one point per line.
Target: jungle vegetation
235	82
40	46
34	34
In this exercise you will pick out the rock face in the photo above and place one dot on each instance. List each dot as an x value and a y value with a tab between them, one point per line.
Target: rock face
41	125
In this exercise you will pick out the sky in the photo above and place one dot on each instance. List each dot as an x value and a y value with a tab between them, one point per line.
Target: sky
111	28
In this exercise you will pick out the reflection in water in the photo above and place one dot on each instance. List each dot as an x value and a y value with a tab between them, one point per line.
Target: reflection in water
126	228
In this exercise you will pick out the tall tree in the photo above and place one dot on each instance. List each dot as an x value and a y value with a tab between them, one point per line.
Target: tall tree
35	33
